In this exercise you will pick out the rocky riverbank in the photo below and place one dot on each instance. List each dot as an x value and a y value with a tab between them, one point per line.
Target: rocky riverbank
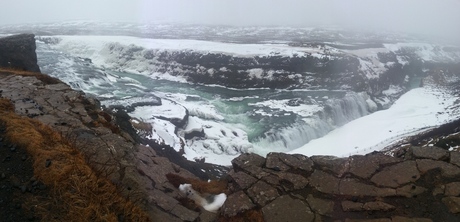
412	184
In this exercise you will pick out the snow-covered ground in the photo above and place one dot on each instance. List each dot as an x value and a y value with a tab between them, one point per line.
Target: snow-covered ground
89	46
416	111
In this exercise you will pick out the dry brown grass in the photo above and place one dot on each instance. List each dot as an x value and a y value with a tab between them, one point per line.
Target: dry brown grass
43	77
78	193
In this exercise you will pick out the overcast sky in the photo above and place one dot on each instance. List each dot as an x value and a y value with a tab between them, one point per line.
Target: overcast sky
419	16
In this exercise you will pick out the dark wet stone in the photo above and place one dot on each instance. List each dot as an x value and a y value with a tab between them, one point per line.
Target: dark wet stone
447	170
285	208
236	203
320	206
291	181
354	187
410	190
274	162
318	178
433	152
247	159
407	219
366	166
242	179
378	206
184	214
455	158
351	206
338	166
452	189
261	193
397	175
453	203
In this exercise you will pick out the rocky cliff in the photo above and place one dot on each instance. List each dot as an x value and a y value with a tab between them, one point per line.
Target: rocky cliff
18	52
412	184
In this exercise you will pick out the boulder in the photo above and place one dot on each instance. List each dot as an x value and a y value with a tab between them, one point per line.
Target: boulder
285	208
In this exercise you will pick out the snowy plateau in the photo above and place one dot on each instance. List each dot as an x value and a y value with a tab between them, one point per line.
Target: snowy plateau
213	92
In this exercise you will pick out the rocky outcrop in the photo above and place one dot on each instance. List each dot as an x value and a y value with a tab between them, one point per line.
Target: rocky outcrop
420	185
18	52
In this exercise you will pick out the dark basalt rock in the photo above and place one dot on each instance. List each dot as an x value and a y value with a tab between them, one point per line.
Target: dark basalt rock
18	52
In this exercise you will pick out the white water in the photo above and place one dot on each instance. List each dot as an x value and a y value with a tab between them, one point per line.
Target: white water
234	121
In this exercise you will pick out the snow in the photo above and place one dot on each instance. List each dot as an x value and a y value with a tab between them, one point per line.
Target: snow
163	131
92	45
282	105
416	111
222	142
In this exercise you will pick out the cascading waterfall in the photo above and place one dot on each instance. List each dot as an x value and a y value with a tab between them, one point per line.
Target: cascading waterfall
337	112
340	111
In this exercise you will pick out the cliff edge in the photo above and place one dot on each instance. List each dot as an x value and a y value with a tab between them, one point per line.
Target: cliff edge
18	52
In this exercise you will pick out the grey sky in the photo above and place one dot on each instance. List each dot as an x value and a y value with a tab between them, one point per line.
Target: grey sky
438	17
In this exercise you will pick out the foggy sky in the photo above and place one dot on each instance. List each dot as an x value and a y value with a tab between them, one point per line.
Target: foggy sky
434	17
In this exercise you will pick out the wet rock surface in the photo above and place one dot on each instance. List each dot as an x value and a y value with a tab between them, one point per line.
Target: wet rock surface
374	187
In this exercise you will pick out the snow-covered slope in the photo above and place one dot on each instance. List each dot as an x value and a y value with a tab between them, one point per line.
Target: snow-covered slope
416	111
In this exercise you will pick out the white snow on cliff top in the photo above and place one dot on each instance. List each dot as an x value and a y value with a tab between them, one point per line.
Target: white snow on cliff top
416	111
84	46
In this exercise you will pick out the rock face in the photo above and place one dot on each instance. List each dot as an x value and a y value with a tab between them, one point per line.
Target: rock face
375	187
18	52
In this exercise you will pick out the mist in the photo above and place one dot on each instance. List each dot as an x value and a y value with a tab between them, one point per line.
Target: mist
438	19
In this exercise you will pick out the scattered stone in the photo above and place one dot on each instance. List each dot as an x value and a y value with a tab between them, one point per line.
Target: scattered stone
453	203
368	220
247	159
261	193
48	163
338	166
397	175
320	206
452	189
353	187
378	206
242	179
455	158
439	190
351	206
236	203
447	170
274	162
184	214
372	163
318	178
162	200
432	152
285	208
293	162
291	181
410	190
207	216
407	219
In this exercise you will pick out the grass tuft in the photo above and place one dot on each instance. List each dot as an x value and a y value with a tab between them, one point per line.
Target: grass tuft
78	192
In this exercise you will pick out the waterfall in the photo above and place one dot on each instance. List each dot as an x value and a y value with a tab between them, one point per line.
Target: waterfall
341	111
336	112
